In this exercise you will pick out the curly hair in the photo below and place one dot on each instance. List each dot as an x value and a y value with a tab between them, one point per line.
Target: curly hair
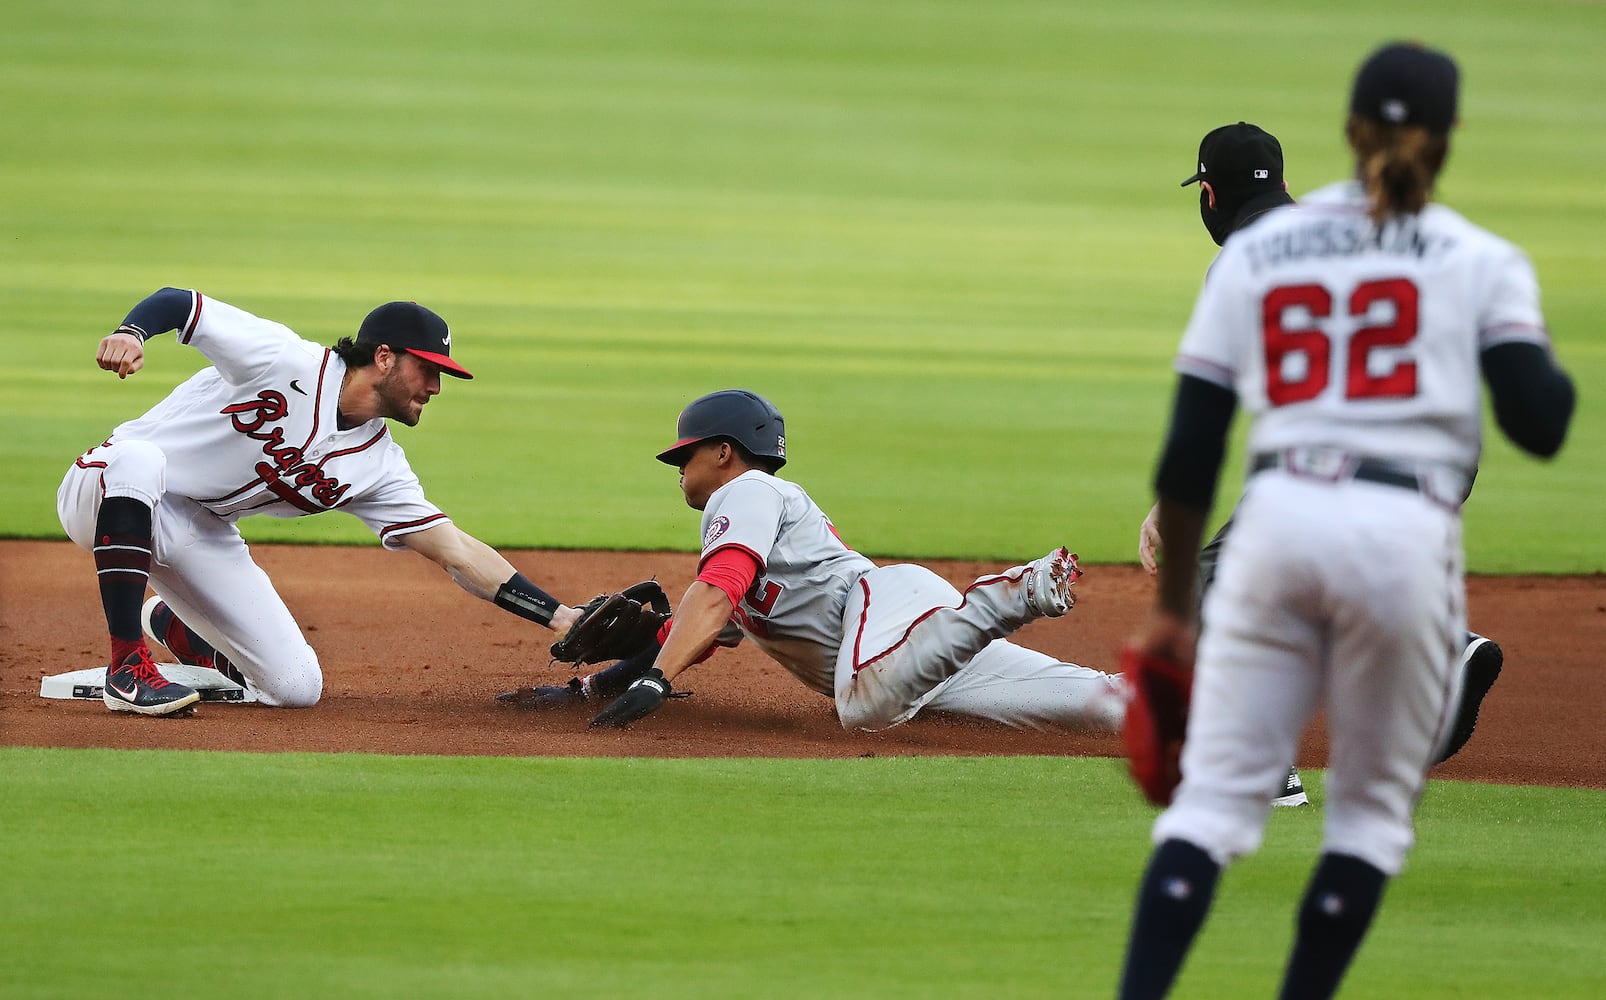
354	354
1397	163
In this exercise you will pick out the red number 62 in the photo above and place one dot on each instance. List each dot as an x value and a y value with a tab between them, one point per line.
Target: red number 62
1282	340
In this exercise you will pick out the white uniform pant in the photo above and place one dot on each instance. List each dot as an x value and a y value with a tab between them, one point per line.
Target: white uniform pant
202	569
912	641
1348	596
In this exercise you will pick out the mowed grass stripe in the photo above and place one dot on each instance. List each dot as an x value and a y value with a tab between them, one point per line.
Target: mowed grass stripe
298	874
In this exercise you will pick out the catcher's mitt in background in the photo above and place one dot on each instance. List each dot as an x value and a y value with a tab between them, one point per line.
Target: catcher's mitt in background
1158	693
614	626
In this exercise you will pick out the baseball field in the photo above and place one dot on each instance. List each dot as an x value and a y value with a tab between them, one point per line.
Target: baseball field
947	239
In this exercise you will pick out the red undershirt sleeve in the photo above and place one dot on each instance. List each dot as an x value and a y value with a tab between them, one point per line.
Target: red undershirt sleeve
731	569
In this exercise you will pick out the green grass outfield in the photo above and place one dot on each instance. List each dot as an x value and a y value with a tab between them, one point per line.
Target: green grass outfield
135	874
945	237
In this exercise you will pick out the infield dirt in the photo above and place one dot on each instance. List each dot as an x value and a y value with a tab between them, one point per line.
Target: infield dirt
411	664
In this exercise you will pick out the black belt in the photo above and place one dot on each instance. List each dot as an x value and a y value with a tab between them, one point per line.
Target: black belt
1366	469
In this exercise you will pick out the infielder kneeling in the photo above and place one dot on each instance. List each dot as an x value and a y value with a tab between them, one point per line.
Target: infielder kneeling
883	641
277	425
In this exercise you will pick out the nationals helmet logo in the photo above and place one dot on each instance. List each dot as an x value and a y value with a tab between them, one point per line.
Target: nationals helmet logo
718	526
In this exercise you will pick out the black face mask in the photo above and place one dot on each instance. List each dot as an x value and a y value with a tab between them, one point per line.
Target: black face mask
1217	220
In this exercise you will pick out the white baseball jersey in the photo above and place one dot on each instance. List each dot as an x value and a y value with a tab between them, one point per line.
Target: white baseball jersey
1350	341
794	609
256	433
1335	334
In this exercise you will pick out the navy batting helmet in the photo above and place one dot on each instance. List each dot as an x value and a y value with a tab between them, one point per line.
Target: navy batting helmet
744	417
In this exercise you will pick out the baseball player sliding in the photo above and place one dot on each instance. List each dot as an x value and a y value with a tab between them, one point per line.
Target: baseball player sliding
279	426
884	642
1353	328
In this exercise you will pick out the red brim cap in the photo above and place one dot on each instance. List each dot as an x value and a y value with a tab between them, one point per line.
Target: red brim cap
671	455
446	364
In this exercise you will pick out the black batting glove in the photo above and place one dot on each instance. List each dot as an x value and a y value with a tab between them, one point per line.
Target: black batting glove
640	699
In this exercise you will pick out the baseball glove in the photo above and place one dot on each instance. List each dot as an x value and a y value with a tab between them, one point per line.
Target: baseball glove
1158	693
614	626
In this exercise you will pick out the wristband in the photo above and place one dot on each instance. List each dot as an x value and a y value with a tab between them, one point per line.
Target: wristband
526	600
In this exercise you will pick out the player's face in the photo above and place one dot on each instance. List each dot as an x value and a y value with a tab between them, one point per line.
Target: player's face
408	385
699	474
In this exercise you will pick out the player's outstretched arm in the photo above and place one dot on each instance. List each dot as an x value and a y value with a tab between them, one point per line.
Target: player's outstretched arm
485	573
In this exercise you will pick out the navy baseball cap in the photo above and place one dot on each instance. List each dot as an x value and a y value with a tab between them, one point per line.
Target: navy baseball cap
408	326
1404	83
1240	158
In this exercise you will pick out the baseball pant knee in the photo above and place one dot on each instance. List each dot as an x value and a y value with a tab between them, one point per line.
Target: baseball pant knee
293	681
1225	827
1373	835
136	469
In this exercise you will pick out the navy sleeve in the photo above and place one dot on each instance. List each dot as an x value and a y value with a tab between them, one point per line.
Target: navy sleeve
1533	398
160	312
1197	442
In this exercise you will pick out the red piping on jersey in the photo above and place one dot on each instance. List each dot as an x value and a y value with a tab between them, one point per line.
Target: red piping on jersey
195	318
731	545
858	636
1488	332
384	532
1223	374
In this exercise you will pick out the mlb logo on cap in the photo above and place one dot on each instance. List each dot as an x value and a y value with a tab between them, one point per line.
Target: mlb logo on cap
1241	157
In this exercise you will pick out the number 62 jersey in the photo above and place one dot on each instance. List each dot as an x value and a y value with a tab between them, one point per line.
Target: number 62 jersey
1338	333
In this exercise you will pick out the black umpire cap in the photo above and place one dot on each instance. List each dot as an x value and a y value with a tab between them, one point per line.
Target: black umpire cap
1240	159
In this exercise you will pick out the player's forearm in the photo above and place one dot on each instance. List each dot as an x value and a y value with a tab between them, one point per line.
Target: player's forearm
486	573
159	312
699	619
1182	527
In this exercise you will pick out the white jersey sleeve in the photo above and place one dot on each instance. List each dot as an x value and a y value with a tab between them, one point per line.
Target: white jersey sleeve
1510	311
395	506
242	347
746	514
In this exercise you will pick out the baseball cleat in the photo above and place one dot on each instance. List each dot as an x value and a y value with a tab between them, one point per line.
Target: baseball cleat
164	628
1048	583
1481	666
1293	791
135	685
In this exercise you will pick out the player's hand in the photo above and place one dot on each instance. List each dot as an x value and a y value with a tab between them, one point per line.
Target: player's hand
563	619
123	353
640	699
1149	541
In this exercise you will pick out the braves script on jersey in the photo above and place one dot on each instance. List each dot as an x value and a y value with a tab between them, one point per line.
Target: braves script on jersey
794	609
1334	333
257	432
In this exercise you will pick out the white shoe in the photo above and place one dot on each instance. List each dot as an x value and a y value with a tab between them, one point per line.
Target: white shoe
1293	791
1048	583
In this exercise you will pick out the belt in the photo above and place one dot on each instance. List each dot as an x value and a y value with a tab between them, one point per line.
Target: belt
1334	466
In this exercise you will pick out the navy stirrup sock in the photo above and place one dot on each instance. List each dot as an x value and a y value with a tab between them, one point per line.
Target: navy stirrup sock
123	563
1172	903
1339	904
